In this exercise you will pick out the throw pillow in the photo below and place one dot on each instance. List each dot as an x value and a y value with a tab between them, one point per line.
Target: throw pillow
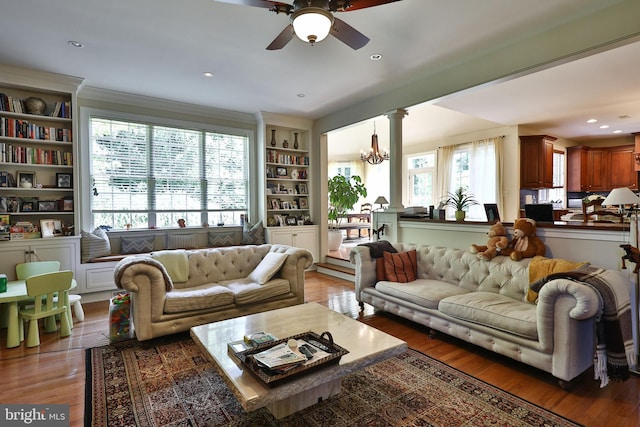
136	245
540	267
401	267
380	274
93	245
253	235
227	238
181	241
269	265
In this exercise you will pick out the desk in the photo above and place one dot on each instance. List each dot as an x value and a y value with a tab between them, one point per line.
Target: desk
16	292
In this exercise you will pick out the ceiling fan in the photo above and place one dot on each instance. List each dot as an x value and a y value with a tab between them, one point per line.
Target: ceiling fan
313	20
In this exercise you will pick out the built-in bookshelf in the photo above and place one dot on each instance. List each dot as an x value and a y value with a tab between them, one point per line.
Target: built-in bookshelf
36	162
287	178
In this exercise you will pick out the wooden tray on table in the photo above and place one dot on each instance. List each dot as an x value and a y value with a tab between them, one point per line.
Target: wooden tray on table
330	353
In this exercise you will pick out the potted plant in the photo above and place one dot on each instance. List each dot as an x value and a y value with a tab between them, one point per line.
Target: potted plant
460	200
344	193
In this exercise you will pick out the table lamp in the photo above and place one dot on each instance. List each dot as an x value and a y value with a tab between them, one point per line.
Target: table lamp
381	200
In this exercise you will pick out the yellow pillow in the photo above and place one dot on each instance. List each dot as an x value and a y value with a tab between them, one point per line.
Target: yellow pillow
541	267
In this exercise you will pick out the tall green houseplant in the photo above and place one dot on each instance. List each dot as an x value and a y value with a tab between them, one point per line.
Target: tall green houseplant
343	195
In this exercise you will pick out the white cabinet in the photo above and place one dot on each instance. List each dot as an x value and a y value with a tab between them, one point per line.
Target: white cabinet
66	250
304	236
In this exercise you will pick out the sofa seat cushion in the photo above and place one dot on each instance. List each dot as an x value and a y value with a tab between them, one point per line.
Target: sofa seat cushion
424	292
247	291
493	310
197	298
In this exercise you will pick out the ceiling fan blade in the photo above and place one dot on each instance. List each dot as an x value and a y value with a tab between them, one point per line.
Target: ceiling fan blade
276	6
348	35
282	39
338	5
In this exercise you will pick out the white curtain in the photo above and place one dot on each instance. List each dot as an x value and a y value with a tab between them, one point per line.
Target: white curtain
445	158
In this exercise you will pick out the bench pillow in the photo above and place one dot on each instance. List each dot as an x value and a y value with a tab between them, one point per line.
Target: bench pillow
136	245
227	238
181	241
401	267
94	245
253	235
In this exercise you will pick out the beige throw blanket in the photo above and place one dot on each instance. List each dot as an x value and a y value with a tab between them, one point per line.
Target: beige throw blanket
614	349
175	262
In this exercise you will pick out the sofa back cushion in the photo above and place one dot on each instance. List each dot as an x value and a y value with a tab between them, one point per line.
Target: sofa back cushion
219	264
501	275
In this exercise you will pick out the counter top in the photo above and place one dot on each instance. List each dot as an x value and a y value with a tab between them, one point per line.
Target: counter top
556	224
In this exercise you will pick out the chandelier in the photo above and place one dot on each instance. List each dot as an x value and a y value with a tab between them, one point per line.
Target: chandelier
374	156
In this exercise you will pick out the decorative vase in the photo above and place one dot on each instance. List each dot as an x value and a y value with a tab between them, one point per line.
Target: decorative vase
33	105
273	137
334	240
285	144
295	140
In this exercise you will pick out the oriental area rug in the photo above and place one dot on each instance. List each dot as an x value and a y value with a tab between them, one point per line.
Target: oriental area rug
169	382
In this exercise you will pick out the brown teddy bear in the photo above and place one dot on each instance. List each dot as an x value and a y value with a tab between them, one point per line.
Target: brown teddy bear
497	242
525	243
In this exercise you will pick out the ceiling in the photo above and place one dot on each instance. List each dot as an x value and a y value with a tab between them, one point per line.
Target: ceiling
160	48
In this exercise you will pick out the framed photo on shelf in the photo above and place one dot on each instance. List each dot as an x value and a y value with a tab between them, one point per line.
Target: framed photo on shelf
491	210
64	180
286	205
270	173
65	204
303	202
26	206
291	220
275	203
302	188
47	205
50	227
26	179
281	171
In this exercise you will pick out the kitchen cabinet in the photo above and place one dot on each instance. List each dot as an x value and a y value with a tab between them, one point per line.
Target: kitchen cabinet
536	161
601	168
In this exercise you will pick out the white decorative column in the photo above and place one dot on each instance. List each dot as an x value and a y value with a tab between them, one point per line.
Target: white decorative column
395	166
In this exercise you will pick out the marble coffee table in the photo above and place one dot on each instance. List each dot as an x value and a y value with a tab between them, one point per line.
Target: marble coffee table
366	346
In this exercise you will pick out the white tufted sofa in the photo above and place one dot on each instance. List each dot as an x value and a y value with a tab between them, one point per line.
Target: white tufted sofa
482	302
218	287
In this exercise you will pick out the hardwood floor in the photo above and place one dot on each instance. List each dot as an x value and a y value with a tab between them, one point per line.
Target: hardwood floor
54	372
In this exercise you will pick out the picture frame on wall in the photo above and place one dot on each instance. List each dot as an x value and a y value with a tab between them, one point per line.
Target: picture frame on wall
26	179
50	227
64	180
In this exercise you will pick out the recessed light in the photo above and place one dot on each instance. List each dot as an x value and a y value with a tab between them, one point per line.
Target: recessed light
624	116
617	131
207	74
375	57
604	127
592	120
75	43
300	95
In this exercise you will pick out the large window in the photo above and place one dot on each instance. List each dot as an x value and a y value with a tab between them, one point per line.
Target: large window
421	170
149	175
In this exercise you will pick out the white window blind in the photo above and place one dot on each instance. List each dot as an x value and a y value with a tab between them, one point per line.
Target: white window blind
149	175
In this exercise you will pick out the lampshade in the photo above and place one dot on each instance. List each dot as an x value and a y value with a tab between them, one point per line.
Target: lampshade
312	24
381	200
620	197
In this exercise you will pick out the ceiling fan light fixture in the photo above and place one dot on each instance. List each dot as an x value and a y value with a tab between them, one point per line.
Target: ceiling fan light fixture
312	24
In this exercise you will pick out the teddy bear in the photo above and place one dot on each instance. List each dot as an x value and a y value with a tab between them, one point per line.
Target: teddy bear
497	242
525	243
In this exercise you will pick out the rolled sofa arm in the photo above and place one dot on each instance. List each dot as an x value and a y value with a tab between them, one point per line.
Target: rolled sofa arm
298	260
562	306
365	268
